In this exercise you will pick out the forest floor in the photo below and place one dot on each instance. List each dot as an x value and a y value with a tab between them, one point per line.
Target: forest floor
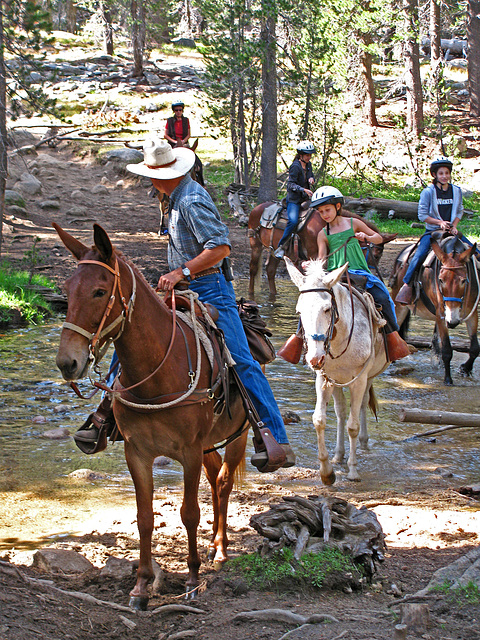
32	609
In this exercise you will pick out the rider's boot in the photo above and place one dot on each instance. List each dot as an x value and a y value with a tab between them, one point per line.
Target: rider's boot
405	295
396	346
92	435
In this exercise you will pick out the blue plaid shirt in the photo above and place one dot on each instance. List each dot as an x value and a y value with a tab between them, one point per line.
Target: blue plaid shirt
194	223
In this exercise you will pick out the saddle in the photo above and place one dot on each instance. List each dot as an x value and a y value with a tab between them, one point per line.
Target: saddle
275	215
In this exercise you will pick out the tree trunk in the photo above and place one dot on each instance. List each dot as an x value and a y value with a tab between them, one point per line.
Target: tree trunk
368	85
435	33
412	69
107	29
71	16
473	36
137	46
268	163
3	126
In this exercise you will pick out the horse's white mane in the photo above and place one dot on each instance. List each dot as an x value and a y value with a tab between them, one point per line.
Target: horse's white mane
314	272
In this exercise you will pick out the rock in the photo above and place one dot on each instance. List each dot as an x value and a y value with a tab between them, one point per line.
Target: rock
19	138
86	474
152	78
61	408
452	99
39	420
290	417
122	155
28	185
76	212
117	568
50	204
44	159
15	211
100	189
161	461
12	197
35	77
77	195
60	561
62	433
184	42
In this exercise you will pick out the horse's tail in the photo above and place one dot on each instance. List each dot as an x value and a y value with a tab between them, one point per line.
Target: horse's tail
373	402
239	474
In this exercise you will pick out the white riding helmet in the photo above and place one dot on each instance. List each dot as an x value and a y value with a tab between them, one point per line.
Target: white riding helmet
442	161
305	147
326	195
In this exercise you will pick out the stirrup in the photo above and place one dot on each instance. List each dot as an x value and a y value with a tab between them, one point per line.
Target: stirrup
269	455
89	438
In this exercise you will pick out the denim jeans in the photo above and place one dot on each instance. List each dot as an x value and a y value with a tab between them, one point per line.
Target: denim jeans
418	257
293	213
217	291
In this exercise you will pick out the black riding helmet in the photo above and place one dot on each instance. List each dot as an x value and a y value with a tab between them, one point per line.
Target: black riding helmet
442	161
178	103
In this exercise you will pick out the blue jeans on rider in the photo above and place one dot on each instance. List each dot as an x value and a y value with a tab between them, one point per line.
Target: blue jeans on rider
293	213
381	296
419	256
218	292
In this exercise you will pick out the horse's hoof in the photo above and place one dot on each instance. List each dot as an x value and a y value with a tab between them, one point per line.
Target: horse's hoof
139	603
448	383
330	479
211	554
218	565
191	592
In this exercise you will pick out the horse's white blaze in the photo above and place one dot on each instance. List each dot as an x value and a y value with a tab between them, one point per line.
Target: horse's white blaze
453	316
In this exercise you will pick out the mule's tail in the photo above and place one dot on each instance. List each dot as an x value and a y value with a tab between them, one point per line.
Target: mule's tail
373	402
404	327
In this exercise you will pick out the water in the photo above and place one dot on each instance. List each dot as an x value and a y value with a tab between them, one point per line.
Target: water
33	390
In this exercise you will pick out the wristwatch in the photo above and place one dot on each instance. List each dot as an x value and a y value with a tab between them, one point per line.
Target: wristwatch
186	272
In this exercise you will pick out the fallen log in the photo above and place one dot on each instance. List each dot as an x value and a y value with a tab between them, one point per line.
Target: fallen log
448	427
401	208
440	417
458	344
456	46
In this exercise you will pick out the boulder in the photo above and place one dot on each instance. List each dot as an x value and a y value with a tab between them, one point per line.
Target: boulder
61	561
62	433
28	185
86	474
122	155
117	568
14	198
20	137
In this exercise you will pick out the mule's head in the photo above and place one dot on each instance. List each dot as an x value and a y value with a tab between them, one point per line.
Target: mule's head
316	307
453	283
88	292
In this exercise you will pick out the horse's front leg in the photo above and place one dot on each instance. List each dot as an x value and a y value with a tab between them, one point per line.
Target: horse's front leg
190	514
255	263
445	349
357	394
271	269
340	405
474	350
319	418
141	472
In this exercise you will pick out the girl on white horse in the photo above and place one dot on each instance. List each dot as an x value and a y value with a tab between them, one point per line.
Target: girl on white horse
338	243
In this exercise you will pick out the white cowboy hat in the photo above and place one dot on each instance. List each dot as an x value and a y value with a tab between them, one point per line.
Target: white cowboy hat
162	162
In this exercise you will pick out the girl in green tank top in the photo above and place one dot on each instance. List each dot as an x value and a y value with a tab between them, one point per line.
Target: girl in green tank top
338	243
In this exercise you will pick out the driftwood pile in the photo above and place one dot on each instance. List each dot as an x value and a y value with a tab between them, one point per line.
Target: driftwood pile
310	525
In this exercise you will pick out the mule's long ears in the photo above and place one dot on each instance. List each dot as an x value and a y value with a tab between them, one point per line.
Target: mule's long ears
441	255
334	276
102	242
76	248
296	276
468	253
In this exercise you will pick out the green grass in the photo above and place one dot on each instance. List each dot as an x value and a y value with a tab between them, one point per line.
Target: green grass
15	294
282	570
470	594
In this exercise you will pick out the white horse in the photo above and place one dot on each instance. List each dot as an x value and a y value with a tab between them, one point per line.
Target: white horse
345	349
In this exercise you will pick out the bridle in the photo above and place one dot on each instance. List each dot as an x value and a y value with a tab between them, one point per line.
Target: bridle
454	299
96	350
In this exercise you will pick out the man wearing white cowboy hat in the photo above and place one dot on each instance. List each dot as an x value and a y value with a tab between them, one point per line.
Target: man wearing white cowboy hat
198	245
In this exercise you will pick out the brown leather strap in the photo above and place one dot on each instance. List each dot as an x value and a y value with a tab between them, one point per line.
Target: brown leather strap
207	272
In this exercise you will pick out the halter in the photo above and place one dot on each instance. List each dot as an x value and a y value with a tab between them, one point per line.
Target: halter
97	352
322	337
452	299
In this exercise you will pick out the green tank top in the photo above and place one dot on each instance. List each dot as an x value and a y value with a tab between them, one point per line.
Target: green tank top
354	254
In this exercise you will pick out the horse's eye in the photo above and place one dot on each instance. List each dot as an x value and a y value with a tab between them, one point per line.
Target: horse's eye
463	282
441	281
99	293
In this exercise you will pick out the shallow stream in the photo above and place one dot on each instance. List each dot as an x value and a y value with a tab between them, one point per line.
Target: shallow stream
34	400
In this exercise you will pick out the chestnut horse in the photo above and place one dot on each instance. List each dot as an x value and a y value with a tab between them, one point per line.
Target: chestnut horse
260	237
172	411
448	293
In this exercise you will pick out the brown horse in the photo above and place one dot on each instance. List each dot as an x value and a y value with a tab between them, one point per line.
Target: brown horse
157	355
448	292
260	237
